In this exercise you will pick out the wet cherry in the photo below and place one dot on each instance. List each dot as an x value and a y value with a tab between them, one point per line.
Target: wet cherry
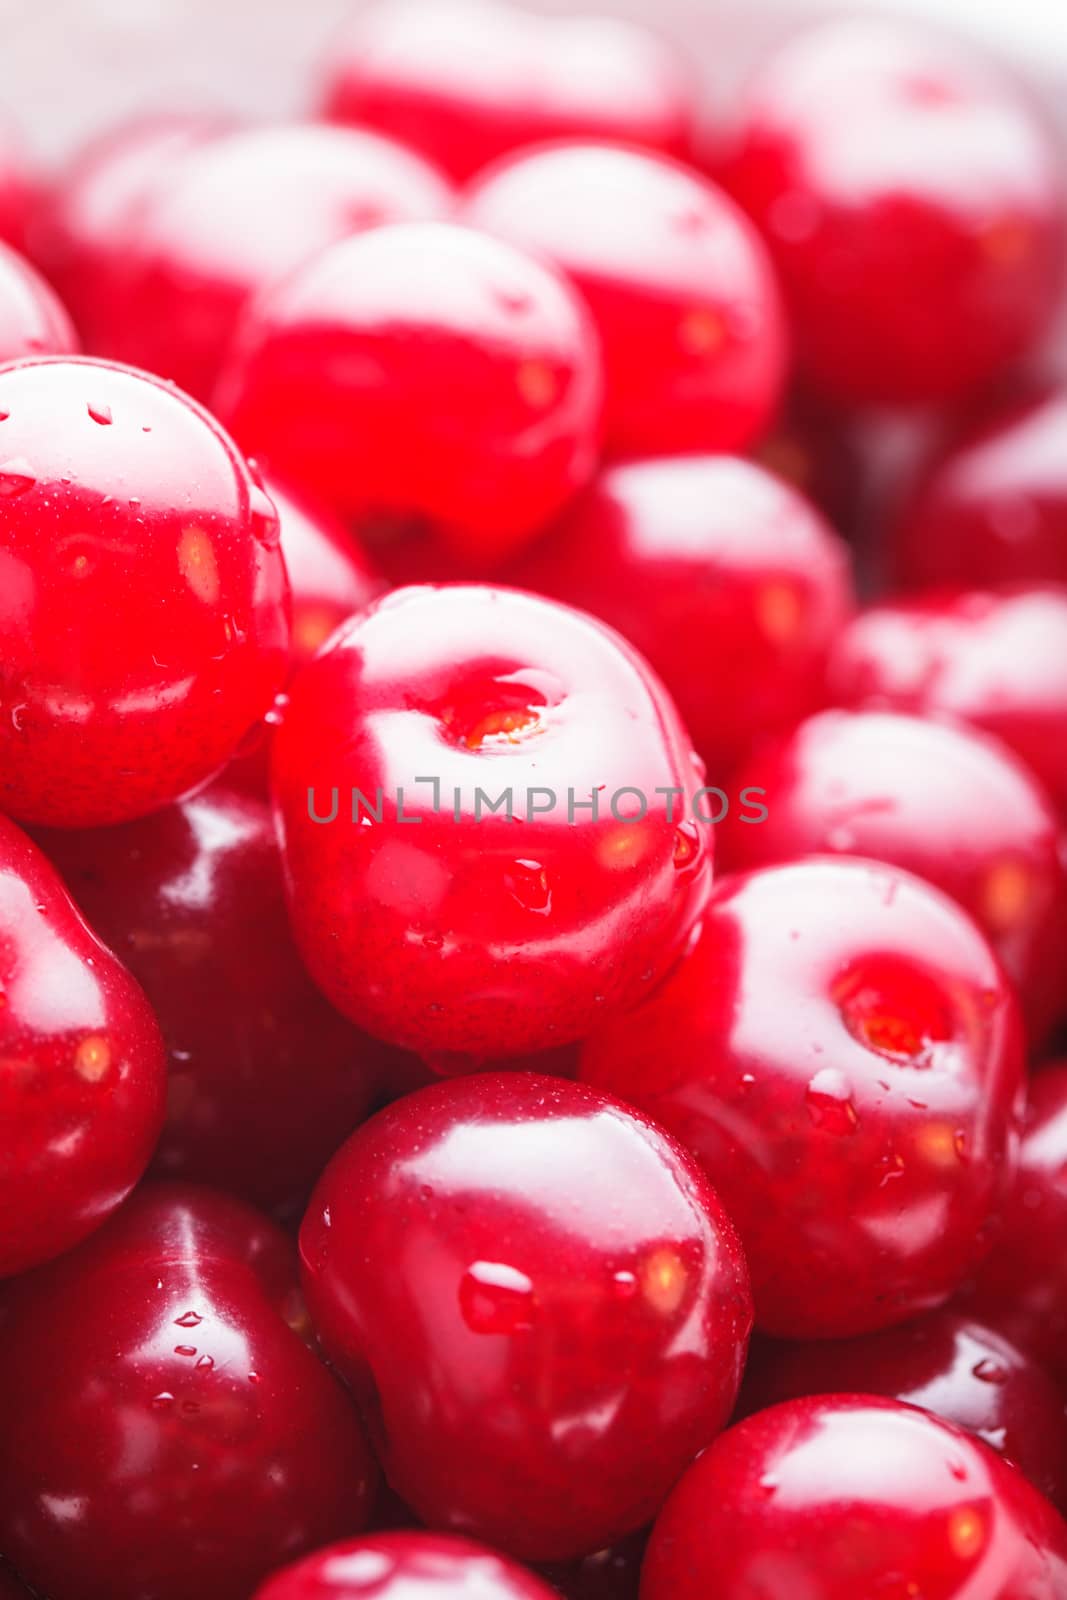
32	321
405	1566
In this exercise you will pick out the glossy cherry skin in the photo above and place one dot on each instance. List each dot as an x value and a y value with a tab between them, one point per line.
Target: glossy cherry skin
82	1074
167	1431
32	321
423	372
469	932
144	620
239	212
265	1080
993	507
466	81
847	1495
538	1301
956	1368
685	303
405	1566
923	252
727	581
876	1096
948	803
994	658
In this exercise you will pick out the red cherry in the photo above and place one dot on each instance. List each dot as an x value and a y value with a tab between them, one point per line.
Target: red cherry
679	284
239	212
993	508
993	659
265	1079
423	371
405	1566
143	598
32	321
843	1054
955	1368
538	1301
81	1067
466	82
947	803
913	203
729	582
331	576
846	1495
167	1431
469	930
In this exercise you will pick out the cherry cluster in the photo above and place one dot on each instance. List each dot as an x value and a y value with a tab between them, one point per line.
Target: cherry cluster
529	1011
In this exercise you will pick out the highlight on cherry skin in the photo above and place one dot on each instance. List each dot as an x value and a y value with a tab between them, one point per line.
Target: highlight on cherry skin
405	1566
123	499
32	320
503	1261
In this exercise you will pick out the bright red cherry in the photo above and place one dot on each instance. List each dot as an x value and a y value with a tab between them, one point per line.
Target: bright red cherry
423	372
845	1496
167	1431
538	1301
465	81
486	801
239	212
32	321
913	203
843	1054
143	598
730	583
992	508
405	1566
996	659
82	1072
330	575
265	1080
679	284
956	1368
947	803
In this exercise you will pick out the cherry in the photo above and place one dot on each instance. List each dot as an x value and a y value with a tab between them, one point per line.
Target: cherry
992	508
956	1368
913	204
265	1079
167	1432
81	1066
538	1301
948	803
143	598
330	575
861	1123
32	321
991	658
423	371
679	285
556	871
405	1566
467	81
728	581
847	1495
239	212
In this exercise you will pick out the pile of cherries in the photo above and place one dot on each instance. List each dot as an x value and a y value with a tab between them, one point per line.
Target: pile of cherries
456	812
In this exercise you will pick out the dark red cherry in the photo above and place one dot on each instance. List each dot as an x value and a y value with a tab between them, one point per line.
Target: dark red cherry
330	574
143	599
82	1073
679	284
843	1054
956	1368
948	803
405	1566
467	81
538	1301
488	841
32	321
842	1496
913	204
423	372
265	1080
729	582
167	1431
993	658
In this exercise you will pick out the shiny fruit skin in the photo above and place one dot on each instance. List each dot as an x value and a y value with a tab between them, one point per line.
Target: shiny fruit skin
32	321
405	1566
492	1258
841	1039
